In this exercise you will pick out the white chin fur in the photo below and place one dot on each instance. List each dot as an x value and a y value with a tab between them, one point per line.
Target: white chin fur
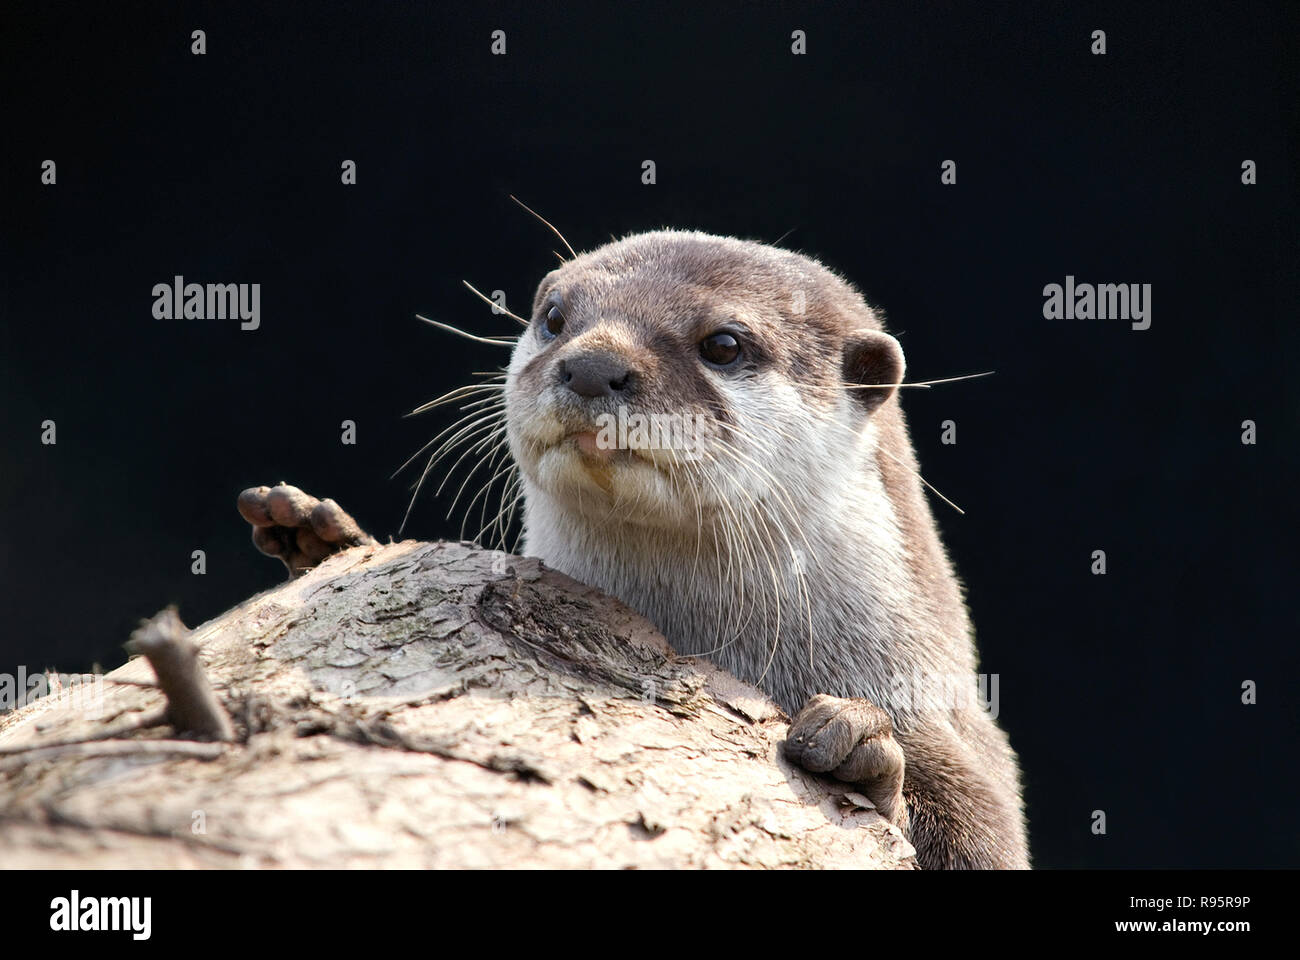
626	488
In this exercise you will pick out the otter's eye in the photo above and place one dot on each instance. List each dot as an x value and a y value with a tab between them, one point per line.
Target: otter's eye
553	325
720	349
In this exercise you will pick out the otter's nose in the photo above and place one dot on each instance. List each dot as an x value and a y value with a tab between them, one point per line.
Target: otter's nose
596	373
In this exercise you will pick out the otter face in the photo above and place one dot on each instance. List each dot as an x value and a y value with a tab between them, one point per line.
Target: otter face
674	375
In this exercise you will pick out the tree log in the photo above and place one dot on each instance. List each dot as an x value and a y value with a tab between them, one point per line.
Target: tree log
430	705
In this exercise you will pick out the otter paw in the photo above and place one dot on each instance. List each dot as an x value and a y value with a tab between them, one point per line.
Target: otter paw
296	527
853	740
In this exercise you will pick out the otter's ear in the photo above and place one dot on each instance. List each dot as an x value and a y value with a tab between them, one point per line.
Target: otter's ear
873	367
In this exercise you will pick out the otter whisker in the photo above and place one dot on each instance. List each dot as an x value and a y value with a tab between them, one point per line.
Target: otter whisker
917	383
493	304
736	599
433	459
788	508
489	456
495	529
502	446
792	512
506	490
767	528
743	558
511	494
548	224
509	511
495	431
484	402
917	474
699	518
776	586
493	341
458	394
439	436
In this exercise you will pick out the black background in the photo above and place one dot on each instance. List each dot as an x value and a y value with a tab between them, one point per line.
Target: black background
1121	692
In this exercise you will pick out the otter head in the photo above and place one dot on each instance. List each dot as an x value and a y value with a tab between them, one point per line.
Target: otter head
672	376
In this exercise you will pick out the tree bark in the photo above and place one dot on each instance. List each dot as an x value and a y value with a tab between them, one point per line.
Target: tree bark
430	705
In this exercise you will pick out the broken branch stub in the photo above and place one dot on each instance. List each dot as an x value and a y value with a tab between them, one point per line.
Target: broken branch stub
192	708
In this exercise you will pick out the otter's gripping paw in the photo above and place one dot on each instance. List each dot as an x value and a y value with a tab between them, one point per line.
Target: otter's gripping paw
296	527
853	740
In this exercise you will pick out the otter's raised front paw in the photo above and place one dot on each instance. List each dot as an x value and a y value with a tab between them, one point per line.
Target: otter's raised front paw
853	740
296	527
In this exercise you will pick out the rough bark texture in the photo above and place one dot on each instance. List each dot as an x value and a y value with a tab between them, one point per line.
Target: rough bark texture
433	705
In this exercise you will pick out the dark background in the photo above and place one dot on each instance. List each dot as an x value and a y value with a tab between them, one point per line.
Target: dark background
1121	692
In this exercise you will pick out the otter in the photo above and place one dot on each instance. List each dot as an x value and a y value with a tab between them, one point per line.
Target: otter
769	517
